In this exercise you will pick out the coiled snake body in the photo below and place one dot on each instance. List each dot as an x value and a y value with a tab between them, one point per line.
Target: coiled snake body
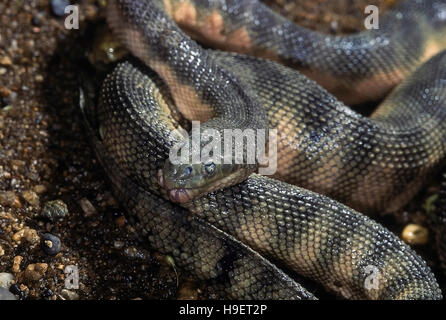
374	164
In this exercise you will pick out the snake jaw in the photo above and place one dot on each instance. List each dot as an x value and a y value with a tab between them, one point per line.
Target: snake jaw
178	195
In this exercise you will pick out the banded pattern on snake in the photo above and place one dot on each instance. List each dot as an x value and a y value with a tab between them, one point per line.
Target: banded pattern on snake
326	147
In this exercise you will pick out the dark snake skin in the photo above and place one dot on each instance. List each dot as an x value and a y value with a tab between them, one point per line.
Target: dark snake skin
440	224
371	165
230	269
355	68
374	164
201	88
309	233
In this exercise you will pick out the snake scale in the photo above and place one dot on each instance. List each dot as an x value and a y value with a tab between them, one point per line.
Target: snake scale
441	224
371	164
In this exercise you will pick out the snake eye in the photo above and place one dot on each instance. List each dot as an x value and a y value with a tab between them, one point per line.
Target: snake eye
210	168
188	171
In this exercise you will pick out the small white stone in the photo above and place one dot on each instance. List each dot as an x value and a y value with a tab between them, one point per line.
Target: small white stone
6	280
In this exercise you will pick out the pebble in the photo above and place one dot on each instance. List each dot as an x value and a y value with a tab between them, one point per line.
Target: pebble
17	164
3	174
6	280
118	244
91	11
415	234
39	189
35	271
58	7
23	288
16	264
5	92
28	234
334	25
6	295
2	251
31	197
31	236
87	207
69	295
51	244
7	198
5	61
54	210
11	98
120	221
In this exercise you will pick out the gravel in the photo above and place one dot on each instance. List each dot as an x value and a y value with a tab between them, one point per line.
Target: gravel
31	197
51	244
87	207
54	210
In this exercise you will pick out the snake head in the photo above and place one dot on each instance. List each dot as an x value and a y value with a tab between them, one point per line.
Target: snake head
186	182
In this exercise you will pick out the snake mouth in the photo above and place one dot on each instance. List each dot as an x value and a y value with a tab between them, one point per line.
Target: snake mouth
178	195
